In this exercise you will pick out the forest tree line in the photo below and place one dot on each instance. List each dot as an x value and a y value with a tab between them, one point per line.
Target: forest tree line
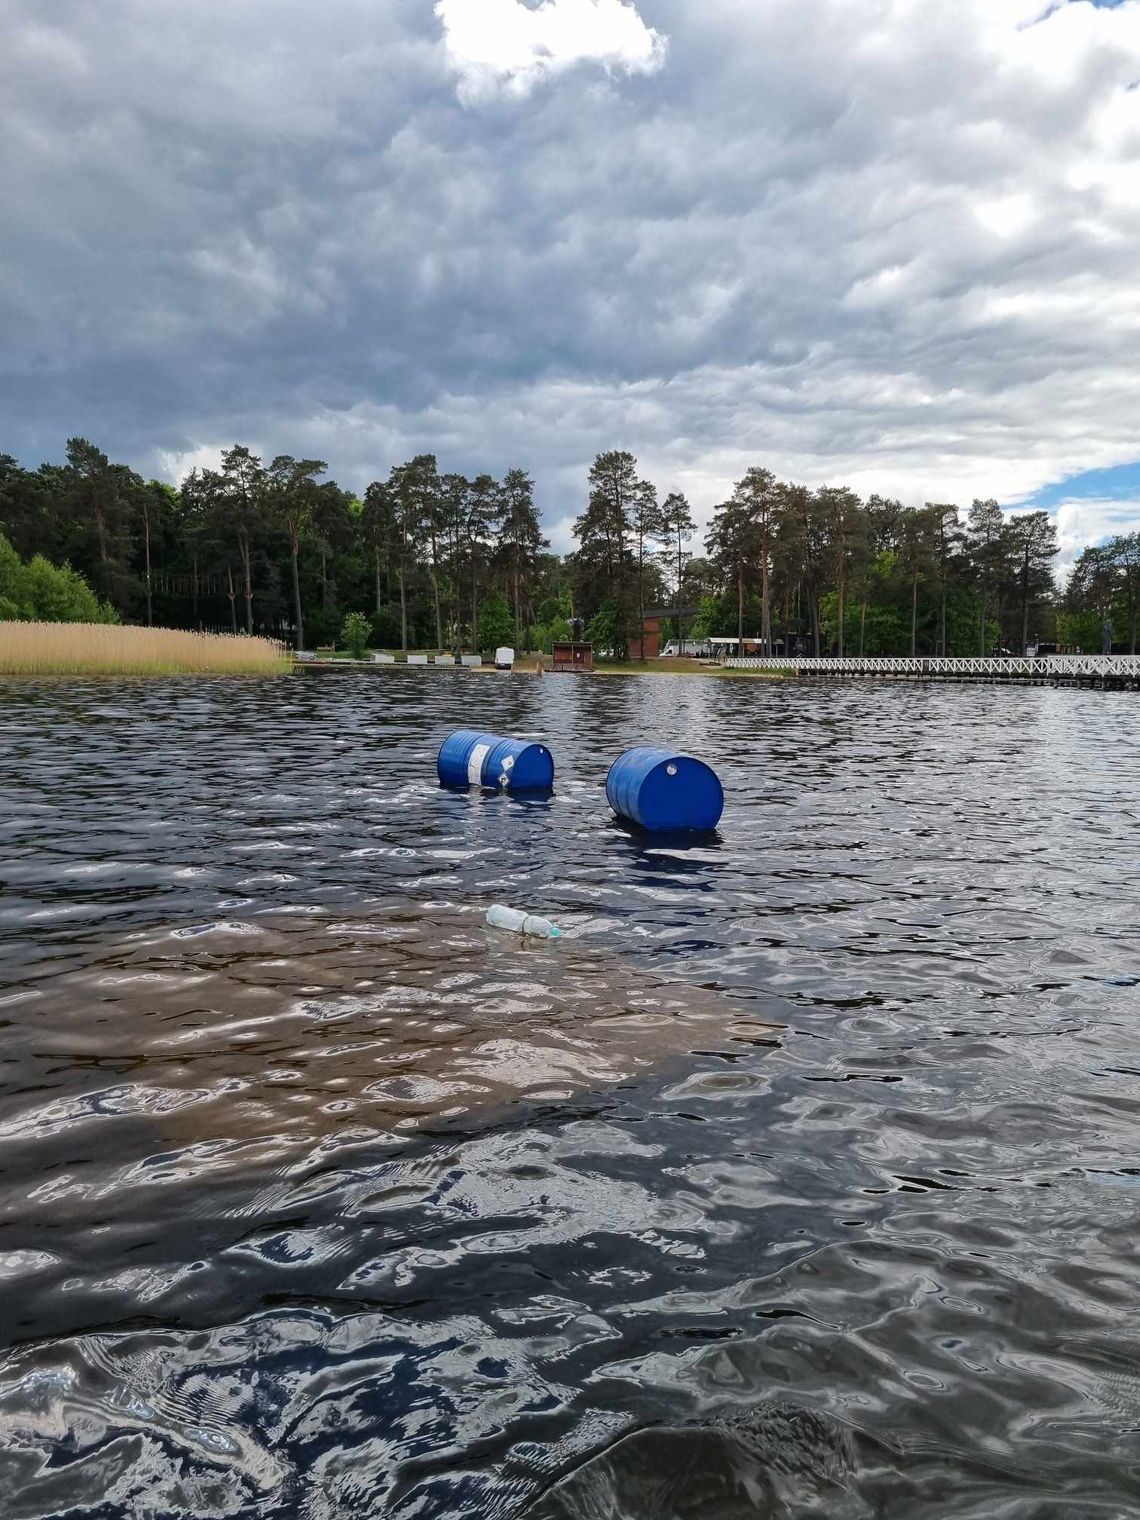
441	560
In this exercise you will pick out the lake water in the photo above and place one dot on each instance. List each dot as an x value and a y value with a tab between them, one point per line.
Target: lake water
802	1177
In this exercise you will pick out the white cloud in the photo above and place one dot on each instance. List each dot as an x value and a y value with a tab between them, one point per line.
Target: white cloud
1090	521
508	46
890	243
1008	216
174	465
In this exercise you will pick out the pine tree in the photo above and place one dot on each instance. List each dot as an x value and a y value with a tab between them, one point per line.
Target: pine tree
678	527
1034	539
733	544
244	492
985	540
290	491
847	531
378	526
758	496
520	536
605	527
414	486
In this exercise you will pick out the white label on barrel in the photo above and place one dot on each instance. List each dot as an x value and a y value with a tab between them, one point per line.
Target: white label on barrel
475	764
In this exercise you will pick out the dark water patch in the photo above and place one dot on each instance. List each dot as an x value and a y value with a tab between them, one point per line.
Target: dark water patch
318	1200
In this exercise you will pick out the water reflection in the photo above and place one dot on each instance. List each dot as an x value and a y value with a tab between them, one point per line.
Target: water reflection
317	1198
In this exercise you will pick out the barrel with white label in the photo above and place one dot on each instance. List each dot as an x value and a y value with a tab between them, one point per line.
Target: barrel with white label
469	758
664	791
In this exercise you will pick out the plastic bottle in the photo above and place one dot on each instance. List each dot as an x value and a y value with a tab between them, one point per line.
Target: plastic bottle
522	923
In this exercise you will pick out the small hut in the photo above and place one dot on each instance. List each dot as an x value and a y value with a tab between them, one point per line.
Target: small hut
567	655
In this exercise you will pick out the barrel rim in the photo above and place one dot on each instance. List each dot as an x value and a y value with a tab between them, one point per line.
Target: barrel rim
525	747
659	749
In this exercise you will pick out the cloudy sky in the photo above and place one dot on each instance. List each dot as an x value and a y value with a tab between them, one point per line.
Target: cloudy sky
893	243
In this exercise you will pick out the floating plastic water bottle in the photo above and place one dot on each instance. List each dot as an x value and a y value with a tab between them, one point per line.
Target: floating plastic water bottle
522	923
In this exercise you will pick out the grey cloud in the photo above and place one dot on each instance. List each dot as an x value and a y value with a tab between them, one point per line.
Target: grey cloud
891	243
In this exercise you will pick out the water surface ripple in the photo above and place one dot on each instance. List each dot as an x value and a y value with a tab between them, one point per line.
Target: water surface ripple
801	1178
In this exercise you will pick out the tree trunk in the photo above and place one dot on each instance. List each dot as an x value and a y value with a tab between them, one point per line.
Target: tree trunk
740	606
376	567
914	614
194	618
146	561
786	617
104	570
518	608
474	604
813	605
842	588
247	580
862	625
324	579
232	596
765	608
641	597
982	625
297	617
677	600
403	610
942	624
438	620
1025	600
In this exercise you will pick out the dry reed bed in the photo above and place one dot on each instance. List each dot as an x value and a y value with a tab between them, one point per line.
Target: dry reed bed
108	649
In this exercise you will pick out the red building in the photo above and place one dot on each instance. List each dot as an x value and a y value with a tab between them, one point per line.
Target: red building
648	646
566	655
650	640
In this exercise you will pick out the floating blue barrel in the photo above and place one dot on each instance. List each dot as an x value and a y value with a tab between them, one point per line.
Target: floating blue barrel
663	791
468	758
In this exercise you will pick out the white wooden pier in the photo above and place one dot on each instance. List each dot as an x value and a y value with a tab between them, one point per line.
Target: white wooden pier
1110	671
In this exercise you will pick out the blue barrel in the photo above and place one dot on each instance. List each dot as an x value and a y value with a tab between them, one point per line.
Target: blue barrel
663	791
468	758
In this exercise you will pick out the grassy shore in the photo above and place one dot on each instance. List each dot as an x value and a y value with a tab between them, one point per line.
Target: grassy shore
530	663
36	649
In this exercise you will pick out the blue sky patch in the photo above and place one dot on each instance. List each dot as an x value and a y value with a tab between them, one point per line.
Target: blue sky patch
1119	483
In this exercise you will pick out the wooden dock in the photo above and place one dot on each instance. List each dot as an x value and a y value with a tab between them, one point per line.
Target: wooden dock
1112	672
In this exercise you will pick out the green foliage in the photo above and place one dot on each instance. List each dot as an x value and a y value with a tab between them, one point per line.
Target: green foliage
705	621
386	629
355	632
323	626
437	559
45	593
1083	629
605	630
553	608
870	629
1104	584
274	547
496	625
11	579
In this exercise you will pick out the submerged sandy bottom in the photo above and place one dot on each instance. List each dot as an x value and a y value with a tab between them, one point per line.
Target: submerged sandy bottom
240	1041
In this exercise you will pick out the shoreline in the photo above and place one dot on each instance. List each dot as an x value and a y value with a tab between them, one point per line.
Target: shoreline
535	667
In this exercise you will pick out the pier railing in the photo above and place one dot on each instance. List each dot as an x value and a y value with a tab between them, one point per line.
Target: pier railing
1111	668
